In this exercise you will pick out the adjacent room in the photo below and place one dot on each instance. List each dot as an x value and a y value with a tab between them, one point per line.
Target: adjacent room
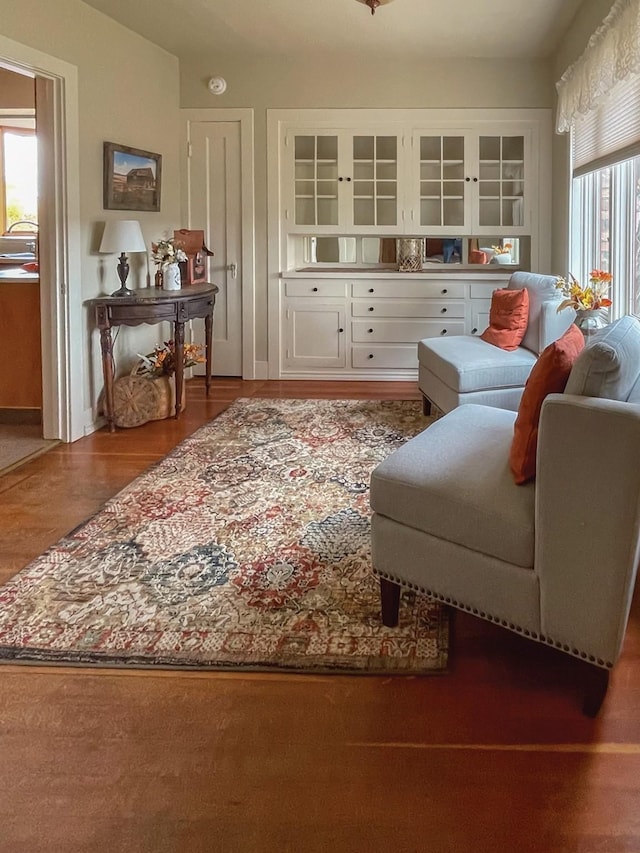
319	425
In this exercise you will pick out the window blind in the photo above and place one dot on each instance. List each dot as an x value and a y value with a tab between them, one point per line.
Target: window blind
610	133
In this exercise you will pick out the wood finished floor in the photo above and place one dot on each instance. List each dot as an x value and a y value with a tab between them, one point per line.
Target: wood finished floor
494	756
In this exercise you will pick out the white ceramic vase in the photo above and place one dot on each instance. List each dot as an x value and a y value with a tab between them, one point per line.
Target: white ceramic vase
171	277
502	259
591	321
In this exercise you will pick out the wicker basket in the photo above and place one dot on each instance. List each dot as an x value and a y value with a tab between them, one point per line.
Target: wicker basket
140	398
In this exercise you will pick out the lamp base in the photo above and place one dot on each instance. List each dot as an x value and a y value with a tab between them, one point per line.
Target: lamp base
123	272
122	291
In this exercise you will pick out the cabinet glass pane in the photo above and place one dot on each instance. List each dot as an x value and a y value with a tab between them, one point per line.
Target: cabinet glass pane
501	187
315	180
442	180
453	148
375	180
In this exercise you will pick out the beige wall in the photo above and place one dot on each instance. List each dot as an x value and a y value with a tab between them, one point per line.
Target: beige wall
128	93
586	22
269	84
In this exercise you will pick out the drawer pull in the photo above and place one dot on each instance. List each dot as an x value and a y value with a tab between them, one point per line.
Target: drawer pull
370	355
370	309
443	310
443	332
315	289
444	290
370	331
341	330
473	331
371	290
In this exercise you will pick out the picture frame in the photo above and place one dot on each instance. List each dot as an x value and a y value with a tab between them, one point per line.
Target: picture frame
132	178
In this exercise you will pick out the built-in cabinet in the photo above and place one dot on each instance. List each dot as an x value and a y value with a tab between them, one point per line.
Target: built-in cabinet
471	176
410	181
369	327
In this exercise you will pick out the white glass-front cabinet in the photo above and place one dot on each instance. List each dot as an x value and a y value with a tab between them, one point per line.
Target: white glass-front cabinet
342	181
470	183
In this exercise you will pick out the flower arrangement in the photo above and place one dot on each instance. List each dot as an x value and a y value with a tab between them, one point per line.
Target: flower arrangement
589	298
164	252
162	361
502	250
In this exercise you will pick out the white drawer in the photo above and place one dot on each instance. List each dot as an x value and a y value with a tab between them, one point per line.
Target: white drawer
315	287
407	308
410	289
484	291
400	331
376	357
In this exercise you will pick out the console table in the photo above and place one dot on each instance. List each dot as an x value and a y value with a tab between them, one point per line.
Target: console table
150	306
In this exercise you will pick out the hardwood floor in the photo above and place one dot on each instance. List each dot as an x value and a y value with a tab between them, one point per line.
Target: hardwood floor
494	756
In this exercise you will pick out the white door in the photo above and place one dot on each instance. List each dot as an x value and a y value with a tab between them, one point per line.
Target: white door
215	205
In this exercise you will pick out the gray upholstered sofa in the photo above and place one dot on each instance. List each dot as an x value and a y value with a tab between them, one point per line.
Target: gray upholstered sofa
554	560
466	369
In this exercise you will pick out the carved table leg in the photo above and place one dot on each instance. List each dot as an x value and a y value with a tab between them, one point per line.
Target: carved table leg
178	338
208	341
106	345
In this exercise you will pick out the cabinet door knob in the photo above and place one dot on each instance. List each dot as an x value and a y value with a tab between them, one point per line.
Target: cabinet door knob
473	331
341	330
371	290
444	290
370	355
370	309
443	310
443	332
341	179
315	289
370	331
467	179
475	180
348	179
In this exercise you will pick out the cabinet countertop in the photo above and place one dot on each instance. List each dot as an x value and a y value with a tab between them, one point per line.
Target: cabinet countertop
502	271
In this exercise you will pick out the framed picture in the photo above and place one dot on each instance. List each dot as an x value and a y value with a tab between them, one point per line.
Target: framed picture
132	178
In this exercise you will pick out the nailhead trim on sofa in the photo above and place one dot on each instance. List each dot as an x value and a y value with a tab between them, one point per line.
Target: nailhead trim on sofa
533	635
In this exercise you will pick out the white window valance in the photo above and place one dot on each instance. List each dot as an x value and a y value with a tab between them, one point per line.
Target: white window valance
611	56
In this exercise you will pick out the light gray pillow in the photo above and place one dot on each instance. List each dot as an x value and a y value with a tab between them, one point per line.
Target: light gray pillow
610	366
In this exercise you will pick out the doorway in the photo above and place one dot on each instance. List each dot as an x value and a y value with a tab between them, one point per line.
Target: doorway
218	199
61	324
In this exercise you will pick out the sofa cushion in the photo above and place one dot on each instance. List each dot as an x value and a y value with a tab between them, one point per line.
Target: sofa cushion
609	367
549	376
466	363
453	481
507	318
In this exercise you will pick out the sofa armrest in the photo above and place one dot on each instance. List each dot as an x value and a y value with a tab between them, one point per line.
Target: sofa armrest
553	324
587	522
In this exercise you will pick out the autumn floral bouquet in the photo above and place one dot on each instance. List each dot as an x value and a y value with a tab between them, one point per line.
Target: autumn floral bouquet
590	298
505	249
162	361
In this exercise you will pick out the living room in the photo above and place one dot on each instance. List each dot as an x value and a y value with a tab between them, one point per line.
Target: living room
234	761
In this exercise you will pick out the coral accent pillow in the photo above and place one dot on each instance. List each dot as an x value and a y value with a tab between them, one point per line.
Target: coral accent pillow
549	376
508	317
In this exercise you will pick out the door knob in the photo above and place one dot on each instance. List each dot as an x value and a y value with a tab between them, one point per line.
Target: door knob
233	269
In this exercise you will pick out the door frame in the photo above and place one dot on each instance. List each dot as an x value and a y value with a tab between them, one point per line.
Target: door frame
244	117
62	328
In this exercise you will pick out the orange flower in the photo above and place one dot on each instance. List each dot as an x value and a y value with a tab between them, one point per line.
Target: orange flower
590	298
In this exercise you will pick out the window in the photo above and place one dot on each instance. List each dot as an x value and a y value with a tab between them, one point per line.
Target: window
605	230
19	160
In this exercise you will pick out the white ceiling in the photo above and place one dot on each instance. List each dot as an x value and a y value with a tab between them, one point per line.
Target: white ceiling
420	29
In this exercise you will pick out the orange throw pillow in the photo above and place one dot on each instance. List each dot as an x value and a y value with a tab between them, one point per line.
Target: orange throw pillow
508	317
549	376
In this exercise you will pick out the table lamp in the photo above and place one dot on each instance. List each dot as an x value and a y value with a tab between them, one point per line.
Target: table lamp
123	235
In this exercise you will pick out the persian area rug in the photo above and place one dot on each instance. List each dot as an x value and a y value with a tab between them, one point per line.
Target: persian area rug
247	547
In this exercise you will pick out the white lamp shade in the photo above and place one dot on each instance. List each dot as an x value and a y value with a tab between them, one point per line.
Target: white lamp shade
122	235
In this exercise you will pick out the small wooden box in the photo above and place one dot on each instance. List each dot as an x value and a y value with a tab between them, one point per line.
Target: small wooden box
194	269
